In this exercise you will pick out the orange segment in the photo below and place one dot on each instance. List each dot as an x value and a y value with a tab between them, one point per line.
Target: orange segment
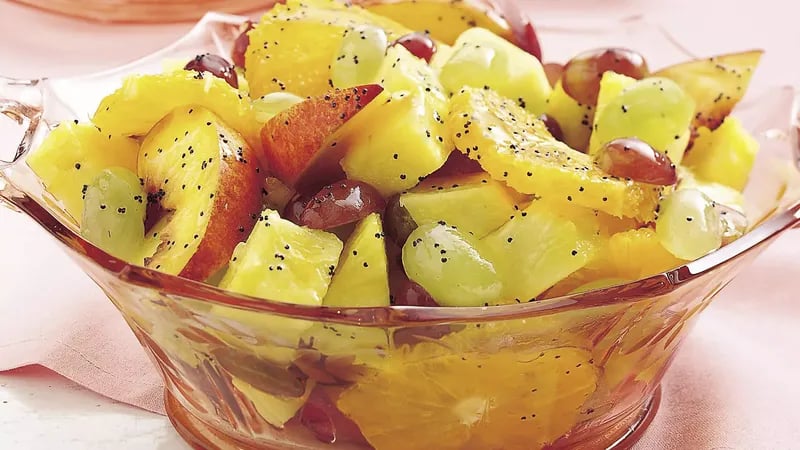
433	397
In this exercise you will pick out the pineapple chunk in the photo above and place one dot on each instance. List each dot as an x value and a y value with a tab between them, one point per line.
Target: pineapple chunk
445	20
293	45
513	146
362	279
394	141
275	409
73	155
284	262
574	119
143	100
611	85
725	155
488	203
536	249
484	59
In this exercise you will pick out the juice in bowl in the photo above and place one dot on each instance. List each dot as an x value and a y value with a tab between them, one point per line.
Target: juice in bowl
349	227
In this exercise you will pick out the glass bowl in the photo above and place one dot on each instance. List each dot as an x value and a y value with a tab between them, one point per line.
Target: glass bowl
144	11
581	371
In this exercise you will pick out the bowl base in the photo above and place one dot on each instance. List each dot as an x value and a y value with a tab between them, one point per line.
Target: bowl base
620	435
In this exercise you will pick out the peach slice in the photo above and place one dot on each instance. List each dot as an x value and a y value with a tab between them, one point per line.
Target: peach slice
293	138
204	192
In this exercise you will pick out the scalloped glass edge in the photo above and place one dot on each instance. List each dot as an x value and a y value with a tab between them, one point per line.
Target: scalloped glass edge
37	105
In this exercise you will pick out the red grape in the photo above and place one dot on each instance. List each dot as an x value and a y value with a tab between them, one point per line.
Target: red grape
582	74
397	221
419	44
522	29
341	203
295	208
552	126
241	43
637	160
329	425
216	65
553	72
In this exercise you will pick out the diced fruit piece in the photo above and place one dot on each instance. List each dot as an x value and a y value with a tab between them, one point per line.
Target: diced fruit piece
328	424
275	409
394	142
341	203
293	45
216	66
398	221
284	262
362	278
475	203
113	214
143	100
522	30
636	160
719	193
552	127
450	266
402	71
688	225
73	155
268	106
360	56
635	254
418	44
553	72
611	85
535	250
573	118
734	223
241	43
292	139
340	353
582	74
445	20
716	84
514	146
725	155
482	59
475	399
654	110
203	188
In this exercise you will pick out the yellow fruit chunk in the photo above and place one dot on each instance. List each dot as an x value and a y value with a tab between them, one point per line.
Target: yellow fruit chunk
445	20
725	155
291	48
284	262
537	248
716	84
275	409
394	141
73	155
362	278
474	203
636	254
433	397
143	100
574	119
513	146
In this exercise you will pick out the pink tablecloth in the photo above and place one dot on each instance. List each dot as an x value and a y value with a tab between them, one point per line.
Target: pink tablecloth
734	384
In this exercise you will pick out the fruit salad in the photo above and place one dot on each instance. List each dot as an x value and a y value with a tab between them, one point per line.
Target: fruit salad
416	154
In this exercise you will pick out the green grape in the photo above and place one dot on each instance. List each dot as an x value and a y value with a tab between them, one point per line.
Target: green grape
268	106
448	264
654	110
360	57
483	59
114	210
689	225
